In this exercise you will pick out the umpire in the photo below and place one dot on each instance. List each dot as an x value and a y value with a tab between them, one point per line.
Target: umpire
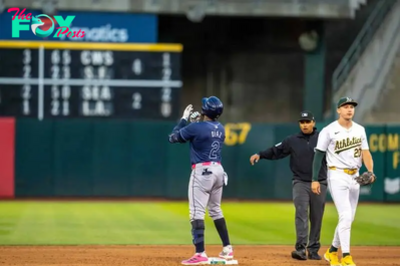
300	147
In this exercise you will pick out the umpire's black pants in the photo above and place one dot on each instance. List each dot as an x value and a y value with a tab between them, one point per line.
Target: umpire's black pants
308	206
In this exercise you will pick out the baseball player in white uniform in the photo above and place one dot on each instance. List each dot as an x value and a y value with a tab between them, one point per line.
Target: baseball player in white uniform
345	144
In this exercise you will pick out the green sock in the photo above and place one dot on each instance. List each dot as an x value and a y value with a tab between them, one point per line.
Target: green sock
345	254
333	249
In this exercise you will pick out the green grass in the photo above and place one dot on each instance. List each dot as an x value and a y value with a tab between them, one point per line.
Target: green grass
65	223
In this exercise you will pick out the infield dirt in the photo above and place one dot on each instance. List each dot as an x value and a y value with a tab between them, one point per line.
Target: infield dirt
172	255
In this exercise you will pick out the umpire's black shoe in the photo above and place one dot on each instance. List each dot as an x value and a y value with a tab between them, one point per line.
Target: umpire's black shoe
314	256
299	255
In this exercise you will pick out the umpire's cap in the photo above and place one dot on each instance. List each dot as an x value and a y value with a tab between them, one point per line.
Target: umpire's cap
346	100
212	107
306	116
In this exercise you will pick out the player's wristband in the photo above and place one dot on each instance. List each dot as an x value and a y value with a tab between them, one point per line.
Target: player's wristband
319	155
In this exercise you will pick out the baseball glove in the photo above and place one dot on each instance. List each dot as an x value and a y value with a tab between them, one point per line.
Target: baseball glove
366	178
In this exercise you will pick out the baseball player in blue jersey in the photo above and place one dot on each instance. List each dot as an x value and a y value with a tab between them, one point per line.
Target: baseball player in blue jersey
208	177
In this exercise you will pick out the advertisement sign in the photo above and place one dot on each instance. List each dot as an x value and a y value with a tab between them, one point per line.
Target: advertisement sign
22	24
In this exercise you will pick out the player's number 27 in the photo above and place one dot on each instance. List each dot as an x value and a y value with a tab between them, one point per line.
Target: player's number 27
236	133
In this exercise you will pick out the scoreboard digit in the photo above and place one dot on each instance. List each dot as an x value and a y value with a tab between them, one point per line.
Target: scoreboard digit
69	80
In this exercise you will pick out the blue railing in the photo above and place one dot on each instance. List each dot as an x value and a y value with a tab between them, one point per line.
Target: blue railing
360	43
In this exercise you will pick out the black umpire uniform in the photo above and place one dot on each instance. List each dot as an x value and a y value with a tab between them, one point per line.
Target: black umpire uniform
300	147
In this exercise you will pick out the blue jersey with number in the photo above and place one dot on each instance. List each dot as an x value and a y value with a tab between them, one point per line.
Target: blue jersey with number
206	139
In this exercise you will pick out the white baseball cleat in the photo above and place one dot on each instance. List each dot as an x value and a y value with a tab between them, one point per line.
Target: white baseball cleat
226	253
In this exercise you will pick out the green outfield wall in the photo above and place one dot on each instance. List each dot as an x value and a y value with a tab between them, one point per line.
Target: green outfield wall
119	158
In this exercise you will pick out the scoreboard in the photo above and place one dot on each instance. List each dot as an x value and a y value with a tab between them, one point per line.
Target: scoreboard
70	80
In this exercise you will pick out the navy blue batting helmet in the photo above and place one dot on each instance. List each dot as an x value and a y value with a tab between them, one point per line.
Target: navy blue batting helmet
212	107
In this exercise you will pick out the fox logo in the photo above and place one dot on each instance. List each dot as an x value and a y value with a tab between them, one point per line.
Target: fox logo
37	22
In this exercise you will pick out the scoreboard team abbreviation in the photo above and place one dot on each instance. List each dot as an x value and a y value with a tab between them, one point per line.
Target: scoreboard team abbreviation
104	80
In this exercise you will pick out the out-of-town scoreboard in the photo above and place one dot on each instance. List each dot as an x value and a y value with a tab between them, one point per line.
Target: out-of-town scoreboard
64	80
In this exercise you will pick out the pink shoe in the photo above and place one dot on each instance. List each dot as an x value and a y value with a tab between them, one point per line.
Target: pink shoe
227	253
197	259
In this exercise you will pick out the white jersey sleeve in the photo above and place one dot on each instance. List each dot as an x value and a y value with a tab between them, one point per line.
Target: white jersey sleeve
364	141
324	140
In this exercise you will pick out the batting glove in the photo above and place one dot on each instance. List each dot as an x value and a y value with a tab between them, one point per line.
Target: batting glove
195	117
225	178
187	112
